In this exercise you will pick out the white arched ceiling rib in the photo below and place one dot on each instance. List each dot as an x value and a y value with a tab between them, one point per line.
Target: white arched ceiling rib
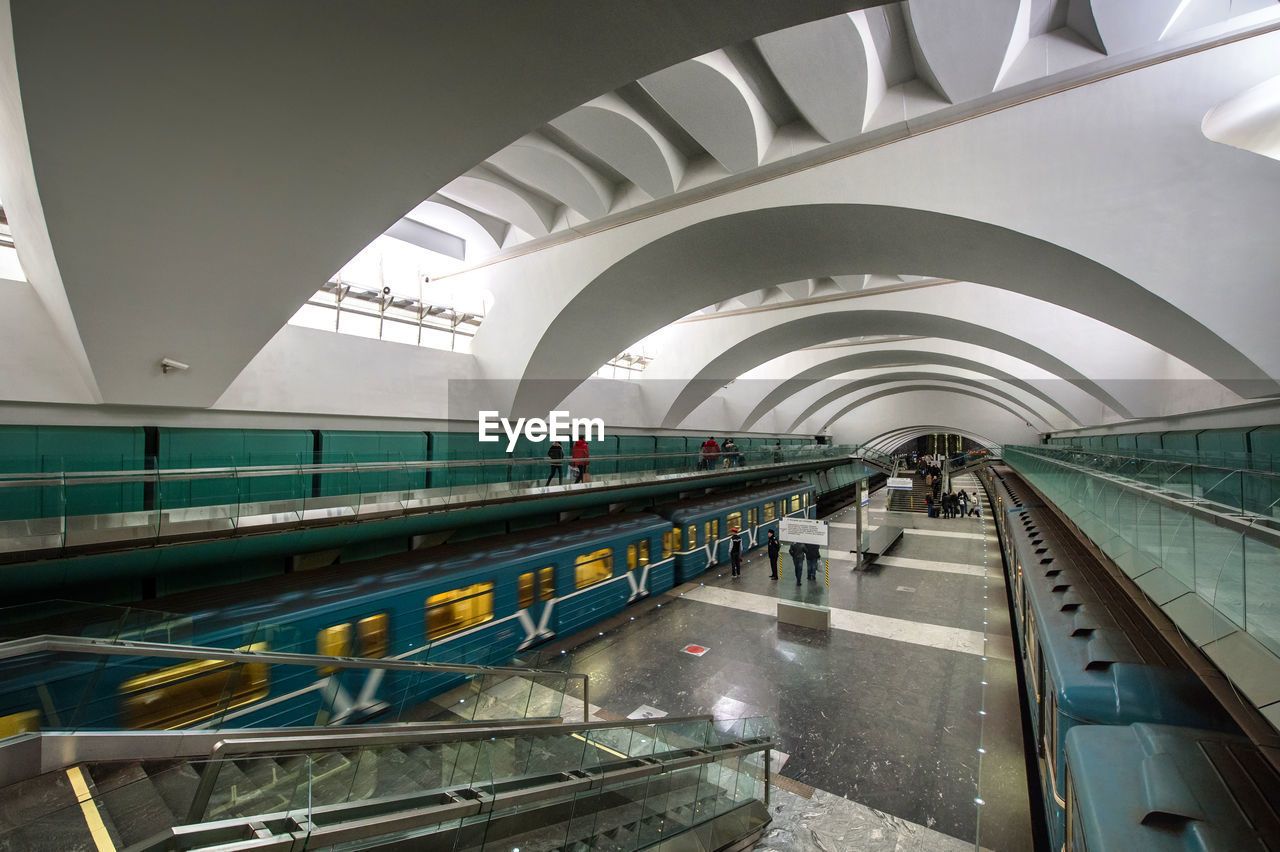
888	441
535	161
912	388
824	68
496	228
891	357
964	45
717	259
711	99
1125	24
490	194
423	95
838	324
845	389
955	412
1249	121
617	133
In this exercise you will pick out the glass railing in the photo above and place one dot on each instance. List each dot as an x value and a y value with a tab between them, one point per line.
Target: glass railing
1265	462
1203	542
620	786
50	511
72	684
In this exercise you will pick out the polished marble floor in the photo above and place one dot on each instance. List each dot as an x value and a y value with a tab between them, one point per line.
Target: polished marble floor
900	727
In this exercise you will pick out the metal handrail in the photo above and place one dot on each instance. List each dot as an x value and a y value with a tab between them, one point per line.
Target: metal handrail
20	479
347	740
1043	449
401	813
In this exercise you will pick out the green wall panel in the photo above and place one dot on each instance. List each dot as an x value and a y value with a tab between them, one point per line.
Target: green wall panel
339	447
1179	442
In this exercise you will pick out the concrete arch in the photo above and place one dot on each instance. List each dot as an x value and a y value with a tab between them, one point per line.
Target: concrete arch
910	389
915	376
837	325
906	433
883	357
716	259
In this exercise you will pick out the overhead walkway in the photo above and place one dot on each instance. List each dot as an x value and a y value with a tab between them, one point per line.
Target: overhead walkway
1201	541
191	505
510	778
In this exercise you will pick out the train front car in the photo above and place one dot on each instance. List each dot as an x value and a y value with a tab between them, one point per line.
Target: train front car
702	525
476	602
1160	788
1090	657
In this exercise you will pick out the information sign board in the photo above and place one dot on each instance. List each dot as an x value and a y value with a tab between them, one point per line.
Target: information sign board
802	530
899	483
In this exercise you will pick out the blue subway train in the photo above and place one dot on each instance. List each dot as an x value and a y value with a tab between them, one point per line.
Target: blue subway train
1168	789
702	526
479	602
1089	657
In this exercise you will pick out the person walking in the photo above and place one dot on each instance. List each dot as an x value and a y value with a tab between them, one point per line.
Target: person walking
797	556
581	467
735	552
774	549
964	503
556	454
812	552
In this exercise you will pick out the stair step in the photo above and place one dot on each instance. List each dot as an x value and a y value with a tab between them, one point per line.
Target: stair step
41	815
175	783
126	793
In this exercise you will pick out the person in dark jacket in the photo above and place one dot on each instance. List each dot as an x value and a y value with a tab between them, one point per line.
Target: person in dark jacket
735	552
797	556
774	549
812	553
556	453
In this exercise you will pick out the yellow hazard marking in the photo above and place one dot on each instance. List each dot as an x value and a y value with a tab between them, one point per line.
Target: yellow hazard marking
97	828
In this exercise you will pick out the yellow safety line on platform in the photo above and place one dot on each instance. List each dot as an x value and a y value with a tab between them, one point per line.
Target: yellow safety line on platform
97	828
604	748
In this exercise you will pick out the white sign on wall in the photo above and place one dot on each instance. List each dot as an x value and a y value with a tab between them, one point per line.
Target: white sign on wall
802	530
899	483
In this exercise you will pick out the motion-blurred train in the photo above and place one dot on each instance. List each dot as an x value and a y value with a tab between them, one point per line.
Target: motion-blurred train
1128	740
481	602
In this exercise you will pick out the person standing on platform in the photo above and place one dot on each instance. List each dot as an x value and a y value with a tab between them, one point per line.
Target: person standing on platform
735	552
556	453
964	503
928	505
730	451
581	467
812	553
797	556
774	549
710	452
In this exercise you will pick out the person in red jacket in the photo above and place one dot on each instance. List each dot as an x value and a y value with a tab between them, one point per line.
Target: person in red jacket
580	464
710	452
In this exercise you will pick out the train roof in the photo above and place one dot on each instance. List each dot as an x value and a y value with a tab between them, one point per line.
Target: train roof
696	507
1170	789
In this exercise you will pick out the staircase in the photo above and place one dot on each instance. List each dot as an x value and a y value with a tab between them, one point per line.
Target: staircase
910	501
605	785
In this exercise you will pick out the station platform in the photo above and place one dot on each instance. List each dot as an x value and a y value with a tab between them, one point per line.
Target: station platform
898	729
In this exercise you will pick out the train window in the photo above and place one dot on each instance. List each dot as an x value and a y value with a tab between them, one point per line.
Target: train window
753	518
631	556
795	502
782	507
806	499
670	542
644	552
333	642
371	633
524	591
691	533
1075	836
547	583
770	512
712	530
456	610
191	692
19	723
594	567
734	521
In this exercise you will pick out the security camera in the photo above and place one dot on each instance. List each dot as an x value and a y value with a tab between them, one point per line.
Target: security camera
167	364
386	291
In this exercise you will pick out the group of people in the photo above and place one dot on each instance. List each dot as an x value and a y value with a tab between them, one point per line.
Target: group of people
800	555
579	467
951	504
712	453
